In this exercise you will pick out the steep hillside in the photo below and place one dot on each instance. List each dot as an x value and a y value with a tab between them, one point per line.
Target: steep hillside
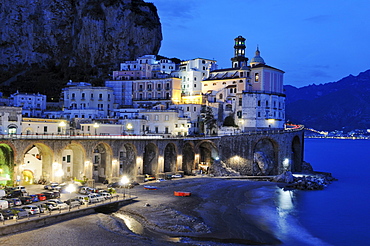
333	106
69	39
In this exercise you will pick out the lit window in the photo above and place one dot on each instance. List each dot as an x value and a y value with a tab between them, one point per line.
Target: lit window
256	77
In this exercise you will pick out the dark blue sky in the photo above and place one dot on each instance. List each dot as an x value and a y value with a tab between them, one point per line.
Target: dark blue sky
312	41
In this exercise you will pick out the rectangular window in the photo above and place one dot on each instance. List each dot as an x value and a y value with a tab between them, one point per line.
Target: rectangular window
240	101
45	129
68	158
156	129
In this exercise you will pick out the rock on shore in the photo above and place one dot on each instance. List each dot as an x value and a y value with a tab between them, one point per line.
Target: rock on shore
315	181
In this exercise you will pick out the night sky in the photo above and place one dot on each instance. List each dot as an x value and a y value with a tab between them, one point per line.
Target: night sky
312	41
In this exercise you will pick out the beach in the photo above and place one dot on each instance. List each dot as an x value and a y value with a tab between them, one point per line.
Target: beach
218	212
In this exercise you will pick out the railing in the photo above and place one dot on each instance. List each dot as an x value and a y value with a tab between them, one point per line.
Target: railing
56	136
296	128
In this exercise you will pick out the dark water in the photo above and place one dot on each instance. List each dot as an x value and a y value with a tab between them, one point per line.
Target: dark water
340	214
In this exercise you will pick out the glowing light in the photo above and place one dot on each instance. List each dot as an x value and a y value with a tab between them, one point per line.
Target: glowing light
286	163
62	124
124	180
271	120
59	173
129	126
71	188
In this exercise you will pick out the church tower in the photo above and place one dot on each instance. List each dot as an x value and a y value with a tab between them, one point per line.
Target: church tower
239	59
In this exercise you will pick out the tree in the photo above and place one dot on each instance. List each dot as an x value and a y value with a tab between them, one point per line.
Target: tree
209	120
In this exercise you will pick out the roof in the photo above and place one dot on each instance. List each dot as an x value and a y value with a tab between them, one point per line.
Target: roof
266	66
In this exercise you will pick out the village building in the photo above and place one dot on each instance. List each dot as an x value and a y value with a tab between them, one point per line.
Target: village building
10	120
33	105
82	100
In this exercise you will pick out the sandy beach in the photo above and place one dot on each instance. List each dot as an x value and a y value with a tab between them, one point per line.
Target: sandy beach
218	212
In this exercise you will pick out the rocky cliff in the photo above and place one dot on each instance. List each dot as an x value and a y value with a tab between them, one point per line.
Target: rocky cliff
75	33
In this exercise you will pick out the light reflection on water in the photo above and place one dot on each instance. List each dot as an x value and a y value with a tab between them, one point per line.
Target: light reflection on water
289	229
284	209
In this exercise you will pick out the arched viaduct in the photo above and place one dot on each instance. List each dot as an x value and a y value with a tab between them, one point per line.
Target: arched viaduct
100	158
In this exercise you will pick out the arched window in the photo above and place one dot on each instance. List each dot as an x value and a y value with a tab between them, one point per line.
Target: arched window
221	96
256	77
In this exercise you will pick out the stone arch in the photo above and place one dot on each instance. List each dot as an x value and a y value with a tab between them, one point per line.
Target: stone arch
73	161
170	158
265	157
127	160
207	154
296	162
102	162
27	176
188	158
6	164
39	158
150	159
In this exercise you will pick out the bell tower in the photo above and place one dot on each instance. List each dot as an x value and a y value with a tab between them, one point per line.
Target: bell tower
239	59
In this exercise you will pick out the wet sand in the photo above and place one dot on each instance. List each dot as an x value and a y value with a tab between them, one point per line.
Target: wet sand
219	212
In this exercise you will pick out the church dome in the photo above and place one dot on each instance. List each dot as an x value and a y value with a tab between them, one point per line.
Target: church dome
257	59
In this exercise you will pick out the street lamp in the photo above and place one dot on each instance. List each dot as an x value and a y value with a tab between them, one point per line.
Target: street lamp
286	164
129	127
62	126
96	125
124	182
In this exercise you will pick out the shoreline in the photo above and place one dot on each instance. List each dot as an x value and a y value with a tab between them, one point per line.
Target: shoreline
214	212
219	211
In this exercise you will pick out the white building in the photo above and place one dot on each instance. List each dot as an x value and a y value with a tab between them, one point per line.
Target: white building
144	67
193	113
42	126
81	100
10	120
32	105
191	73
32	164
140	122
264	100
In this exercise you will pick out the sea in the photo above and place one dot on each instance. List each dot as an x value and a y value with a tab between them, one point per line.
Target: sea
339	215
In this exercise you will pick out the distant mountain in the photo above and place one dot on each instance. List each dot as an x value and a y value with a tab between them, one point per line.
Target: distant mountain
341	105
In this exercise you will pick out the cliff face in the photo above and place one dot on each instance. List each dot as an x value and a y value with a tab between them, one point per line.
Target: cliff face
74	33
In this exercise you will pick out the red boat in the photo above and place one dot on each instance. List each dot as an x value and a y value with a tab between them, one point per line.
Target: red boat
182	193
